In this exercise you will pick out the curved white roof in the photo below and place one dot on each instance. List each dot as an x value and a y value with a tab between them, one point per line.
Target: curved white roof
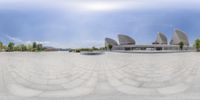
125	40
178	37
161	38
109	41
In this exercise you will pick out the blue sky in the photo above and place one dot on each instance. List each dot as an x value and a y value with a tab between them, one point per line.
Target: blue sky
85	23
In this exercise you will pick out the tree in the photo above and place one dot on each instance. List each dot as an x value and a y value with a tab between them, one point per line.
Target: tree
1	46
17	48
34	46
24	48
11	46
29	47
39	47
21	47
110	47
197	44
181	44
102	48
94	48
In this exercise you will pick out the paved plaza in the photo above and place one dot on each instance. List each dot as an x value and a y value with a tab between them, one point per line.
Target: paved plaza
110	76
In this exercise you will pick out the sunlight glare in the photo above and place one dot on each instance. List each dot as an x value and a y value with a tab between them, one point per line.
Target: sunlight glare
100	6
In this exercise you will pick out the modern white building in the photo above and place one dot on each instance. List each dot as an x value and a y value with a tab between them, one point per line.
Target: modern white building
109	41
160	39
161	43
125	40
179	36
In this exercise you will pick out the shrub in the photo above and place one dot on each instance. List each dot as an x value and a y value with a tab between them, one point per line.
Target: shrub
110	47
197	44
10	46
181	44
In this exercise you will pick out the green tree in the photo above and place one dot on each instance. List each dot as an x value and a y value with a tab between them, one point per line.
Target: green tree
17	48
11	46
24	47
34	46
181	44
21	47
102	48
110	47
1	46
197	44
29	47
39	47
94	48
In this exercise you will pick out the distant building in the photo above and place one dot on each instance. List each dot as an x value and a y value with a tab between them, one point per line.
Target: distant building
161	43
109	41
160	39
178	37
125	40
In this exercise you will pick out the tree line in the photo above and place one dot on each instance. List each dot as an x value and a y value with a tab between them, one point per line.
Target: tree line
87	49
34	47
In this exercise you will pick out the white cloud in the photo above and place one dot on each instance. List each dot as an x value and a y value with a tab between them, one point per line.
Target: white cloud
99	5
38	42
20	41
14	39
88	43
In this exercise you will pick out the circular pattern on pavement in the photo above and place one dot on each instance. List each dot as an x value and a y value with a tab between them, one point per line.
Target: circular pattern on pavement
71	75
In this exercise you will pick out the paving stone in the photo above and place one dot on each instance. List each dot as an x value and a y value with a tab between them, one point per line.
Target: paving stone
58	75
19	90
176	88
136	90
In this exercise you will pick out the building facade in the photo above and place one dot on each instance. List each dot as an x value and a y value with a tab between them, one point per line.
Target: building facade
125	40
179	36
160	39
161	43
109	41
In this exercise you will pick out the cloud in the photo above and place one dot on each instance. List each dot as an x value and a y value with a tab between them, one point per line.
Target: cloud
99	5
77	28
20	41
38	42
14	39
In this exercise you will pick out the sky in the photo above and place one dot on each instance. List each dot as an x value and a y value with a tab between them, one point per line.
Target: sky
86	23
